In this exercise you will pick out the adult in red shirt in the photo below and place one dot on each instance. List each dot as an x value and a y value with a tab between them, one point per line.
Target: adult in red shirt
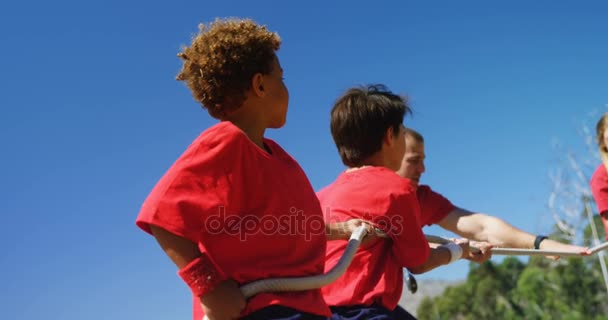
235	207
599	180
366	125
436	209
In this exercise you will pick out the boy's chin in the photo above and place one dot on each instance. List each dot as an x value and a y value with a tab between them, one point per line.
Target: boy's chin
277	125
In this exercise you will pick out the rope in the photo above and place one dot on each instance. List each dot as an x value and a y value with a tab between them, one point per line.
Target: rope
524	252
314	282
309	282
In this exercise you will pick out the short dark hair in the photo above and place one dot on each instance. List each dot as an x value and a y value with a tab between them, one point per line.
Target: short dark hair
409	132
360	118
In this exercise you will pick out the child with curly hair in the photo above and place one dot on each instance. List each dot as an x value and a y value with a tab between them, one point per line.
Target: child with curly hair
235	207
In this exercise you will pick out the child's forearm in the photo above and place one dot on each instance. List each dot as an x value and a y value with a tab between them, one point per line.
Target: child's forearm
195	268
437	257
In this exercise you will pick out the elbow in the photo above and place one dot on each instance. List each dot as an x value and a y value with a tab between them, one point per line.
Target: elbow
423	264
419	269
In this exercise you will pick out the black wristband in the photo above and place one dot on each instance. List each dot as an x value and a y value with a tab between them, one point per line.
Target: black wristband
538	240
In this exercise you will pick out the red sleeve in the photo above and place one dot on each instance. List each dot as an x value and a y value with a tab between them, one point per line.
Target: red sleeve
409	244
192	190
599	188
433	206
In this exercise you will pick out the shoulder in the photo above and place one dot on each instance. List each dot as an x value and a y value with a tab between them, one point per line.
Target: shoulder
426	192
388	181
222	135
600	172
321	193
278	151
219	143
600	176
390	188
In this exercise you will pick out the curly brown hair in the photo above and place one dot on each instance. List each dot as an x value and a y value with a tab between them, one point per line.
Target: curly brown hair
223	58
600	127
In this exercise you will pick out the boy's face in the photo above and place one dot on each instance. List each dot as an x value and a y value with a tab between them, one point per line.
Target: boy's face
412	166
277	97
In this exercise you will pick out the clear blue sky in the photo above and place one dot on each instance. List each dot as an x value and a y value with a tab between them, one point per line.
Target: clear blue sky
92	117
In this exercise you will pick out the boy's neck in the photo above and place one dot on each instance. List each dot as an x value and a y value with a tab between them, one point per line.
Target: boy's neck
351	169
253	132
250	118
376	160
251	125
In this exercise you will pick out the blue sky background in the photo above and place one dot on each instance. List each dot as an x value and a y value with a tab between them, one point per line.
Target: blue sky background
92	117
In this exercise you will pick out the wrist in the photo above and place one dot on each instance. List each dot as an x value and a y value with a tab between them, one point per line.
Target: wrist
201	275
335	231
454	249
538	240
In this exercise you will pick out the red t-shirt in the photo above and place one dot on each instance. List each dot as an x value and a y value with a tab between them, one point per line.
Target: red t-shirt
599	188
375	275
433	206
255	214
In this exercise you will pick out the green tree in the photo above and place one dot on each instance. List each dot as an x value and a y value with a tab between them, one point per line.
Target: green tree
539	289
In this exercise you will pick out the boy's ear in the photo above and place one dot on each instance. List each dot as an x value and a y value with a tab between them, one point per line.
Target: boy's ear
389	136
257	85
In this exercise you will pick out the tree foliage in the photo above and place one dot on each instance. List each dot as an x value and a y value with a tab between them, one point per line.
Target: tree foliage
540	288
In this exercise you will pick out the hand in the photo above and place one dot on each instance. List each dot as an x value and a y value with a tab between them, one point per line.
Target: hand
225	302
464	245
343	231
482	255
549	244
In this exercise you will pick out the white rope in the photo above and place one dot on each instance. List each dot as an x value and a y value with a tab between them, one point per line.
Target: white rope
309	282
318	281
524	252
